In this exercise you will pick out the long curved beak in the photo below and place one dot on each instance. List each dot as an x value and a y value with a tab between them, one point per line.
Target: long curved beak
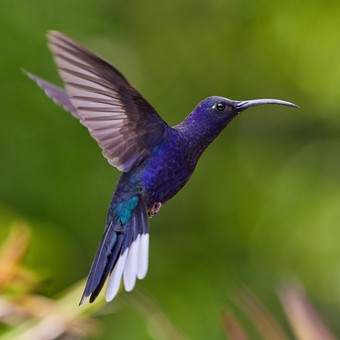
243	105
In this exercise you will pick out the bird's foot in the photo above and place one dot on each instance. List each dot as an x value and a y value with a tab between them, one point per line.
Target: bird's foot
155	209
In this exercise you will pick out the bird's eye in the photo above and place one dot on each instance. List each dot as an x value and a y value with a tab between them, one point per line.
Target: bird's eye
220	106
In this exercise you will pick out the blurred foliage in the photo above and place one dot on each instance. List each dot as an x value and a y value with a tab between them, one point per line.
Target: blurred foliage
24	314
27	314
263	204
305	322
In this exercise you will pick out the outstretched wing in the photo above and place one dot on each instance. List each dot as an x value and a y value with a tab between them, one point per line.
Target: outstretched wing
123	123
58	95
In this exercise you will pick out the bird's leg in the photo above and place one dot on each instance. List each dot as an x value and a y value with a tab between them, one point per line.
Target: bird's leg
155	209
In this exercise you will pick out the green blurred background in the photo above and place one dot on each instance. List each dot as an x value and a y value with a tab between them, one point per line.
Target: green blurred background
264	203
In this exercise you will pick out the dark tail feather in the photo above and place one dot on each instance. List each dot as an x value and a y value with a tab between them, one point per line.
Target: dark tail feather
108	245
57	94
111	261
123	252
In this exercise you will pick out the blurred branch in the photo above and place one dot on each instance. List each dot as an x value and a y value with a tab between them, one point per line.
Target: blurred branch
49	319
303	318
233	327
261	318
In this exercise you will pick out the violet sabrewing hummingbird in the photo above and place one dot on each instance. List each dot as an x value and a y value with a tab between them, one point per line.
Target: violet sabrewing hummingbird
156	160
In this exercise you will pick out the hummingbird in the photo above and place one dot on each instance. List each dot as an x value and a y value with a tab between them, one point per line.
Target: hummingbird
156	160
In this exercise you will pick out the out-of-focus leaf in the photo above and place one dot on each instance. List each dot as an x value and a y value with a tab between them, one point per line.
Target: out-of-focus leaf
34	316
12	253
304	319
262	319
232	327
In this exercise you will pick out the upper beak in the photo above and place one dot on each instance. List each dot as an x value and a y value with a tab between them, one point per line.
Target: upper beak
243	105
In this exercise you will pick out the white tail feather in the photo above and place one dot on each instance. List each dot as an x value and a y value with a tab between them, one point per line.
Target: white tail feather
143	256
116	277
130	269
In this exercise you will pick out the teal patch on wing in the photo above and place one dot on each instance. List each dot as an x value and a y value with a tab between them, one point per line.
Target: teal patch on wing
124	209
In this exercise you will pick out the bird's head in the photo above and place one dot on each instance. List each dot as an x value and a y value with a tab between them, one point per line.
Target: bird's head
212	114
217	110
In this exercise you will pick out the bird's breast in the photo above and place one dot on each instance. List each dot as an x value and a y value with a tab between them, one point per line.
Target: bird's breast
166	171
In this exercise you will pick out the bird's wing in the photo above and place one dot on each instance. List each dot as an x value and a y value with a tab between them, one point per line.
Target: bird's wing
123	123
58	95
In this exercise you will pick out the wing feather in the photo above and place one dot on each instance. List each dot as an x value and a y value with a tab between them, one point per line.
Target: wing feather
123	123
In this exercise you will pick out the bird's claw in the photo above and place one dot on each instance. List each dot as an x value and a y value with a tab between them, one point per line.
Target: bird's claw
155	209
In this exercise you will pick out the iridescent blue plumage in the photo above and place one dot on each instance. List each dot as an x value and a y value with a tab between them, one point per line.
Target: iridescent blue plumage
156	160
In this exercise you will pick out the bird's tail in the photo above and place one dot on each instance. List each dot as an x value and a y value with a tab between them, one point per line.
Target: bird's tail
122	253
